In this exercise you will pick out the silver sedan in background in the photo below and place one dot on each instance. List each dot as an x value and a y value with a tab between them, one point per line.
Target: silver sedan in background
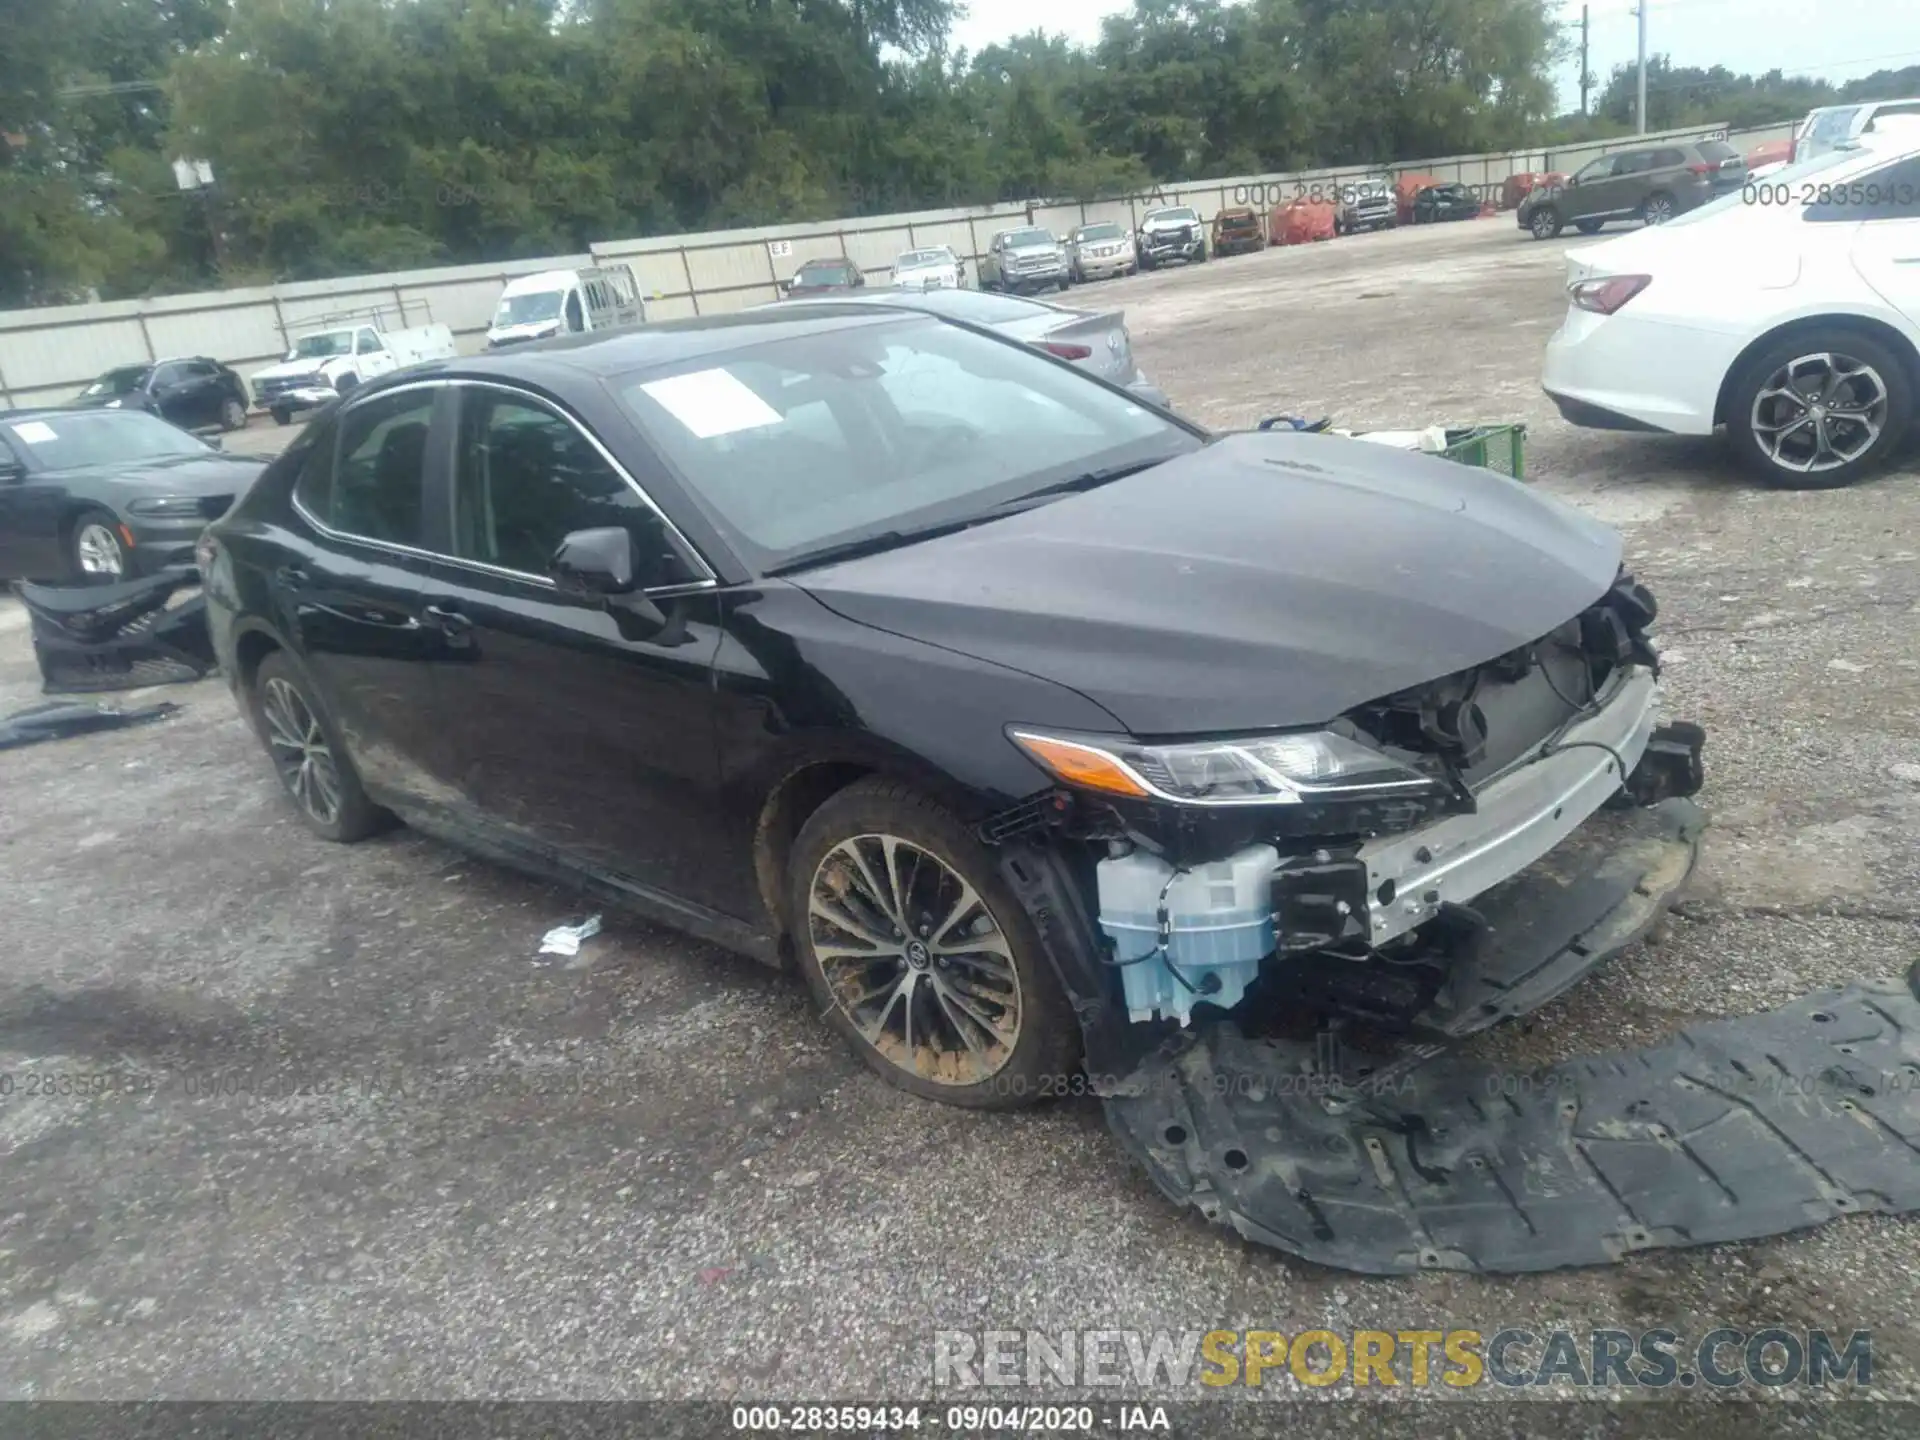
934	267
1096	341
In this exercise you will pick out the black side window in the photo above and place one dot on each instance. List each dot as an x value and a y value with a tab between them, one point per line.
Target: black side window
574	320
169	374
525	477
313	452
1634	162
1889	193
1666	160
382	458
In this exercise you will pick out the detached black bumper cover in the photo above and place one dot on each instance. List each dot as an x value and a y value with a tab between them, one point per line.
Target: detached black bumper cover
1733	1130
118	637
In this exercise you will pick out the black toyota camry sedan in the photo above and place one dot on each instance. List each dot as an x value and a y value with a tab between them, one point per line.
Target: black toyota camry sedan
1031	724
97	496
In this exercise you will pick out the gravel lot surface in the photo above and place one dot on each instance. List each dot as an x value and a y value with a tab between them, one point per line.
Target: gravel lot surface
388	1153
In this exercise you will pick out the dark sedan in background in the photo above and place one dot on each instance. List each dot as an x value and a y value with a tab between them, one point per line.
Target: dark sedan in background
1445	202
194	393
826	277
101	495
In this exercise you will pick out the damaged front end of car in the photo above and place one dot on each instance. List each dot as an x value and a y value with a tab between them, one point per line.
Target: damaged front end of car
1425	866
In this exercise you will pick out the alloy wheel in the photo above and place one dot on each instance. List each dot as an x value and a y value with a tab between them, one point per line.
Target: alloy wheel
1659	210
300	751
98	550
915	958
1819	412
1543	224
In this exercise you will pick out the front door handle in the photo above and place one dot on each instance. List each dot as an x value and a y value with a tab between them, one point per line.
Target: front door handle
292	577
448	621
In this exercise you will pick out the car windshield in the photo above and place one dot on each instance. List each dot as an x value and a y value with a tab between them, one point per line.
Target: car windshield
69	440
528	309
1098	232
821	272
881	429
921	259
323	345
118	382
1183	214
1035	236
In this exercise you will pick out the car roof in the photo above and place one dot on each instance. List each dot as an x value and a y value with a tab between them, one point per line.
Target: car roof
601	354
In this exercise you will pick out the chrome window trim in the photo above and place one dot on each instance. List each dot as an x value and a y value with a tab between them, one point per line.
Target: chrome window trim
688	549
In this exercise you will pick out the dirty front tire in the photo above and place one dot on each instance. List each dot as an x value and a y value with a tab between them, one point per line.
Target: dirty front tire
915	950
1757	410
307	755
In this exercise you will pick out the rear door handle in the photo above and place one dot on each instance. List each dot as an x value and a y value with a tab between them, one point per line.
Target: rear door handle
448	621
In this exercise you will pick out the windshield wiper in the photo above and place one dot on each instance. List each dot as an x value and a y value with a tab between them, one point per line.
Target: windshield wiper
894	539
866	545
1088	480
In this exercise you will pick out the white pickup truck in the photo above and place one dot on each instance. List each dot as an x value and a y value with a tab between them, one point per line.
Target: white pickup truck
334	353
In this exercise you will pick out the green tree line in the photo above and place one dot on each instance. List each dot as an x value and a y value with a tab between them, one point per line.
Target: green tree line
355	135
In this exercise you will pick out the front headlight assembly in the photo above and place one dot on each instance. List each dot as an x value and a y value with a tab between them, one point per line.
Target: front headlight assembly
1250	770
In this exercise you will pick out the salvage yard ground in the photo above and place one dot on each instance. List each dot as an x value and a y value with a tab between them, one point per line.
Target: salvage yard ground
447	1170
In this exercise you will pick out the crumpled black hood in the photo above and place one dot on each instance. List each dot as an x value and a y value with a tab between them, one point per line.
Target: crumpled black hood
1265	581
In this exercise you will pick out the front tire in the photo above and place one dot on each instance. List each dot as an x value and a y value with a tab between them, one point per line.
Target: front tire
282	415
1820	410
307	755
1545	223
915	950
96	554
233	415
1658	208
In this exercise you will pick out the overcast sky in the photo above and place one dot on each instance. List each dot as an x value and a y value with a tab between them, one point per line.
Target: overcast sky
1817	37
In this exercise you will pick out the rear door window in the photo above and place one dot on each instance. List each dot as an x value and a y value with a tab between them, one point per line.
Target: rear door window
1716	151
375	486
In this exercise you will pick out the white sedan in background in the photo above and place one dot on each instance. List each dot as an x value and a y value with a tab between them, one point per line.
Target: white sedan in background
933	268
1788	311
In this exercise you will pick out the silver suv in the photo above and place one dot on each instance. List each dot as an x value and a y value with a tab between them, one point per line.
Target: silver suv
1027	259
1367	204
1101	249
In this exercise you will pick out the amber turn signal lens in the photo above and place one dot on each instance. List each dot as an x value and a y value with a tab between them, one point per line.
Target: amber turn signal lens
1080	765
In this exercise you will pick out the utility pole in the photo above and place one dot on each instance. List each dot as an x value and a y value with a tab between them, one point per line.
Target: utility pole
1641	112
1586	76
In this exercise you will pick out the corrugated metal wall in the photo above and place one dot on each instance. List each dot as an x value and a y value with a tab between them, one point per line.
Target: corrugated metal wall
47	354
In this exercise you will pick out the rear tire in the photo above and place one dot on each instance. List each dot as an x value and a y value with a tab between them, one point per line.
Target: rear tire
282	415
347	383
959	1002
1864	414
1545	223
1658	208
307	755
